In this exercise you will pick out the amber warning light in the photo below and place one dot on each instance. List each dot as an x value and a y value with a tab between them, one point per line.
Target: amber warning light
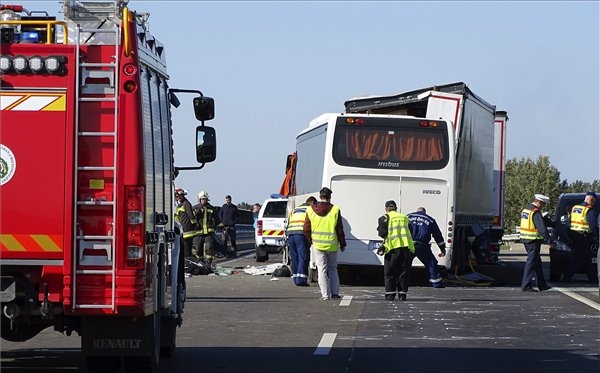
355	121
425	123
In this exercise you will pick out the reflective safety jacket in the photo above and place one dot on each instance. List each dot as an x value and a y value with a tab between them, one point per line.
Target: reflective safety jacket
528	230
579	222
187	219
398	234
207	218
324	236
296	221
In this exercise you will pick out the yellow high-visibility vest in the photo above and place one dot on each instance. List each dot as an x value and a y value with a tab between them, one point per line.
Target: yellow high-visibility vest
323	233
579	221
398	233
528	230
296	222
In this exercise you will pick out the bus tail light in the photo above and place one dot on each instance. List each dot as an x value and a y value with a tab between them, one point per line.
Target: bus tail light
136	233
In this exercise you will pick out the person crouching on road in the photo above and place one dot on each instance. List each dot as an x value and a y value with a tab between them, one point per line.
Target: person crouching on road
324	230
397	251
422	226
532	233
208	219
298	244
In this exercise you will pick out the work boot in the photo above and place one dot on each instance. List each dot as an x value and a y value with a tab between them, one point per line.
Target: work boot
402	297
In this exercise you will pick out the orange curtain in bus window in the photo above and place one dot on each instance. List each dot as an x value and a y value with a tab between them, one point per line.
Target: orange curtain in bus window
418	147
369	145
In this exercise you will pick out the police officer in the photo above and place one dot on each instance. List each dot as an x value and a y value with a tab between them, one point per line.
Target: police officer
584	231
422	226
324	230
532	234
208	219
298	244
397	251
185	215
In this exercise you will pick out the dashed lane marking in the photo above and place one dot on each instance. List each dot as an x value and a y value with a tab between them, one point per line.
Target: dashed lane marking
326	343
578	297
345	302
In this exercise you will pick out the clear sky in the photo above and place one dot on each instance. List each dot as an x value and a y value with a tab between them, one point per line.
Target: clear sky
273	66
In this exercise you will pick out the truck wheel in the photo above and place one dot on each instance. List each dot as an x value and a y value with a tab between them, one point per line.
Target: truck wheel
102	364
146	364
261	255
168	335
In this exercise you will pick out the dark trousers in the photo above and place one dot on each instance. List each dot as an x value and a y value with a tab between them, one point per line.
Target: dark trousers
533	266
229	234
205	246
581	256
396	269
188	245
423	252
300	256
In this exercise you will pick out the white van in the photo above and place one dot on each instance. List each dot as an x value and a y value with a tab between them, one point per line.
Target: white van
270	228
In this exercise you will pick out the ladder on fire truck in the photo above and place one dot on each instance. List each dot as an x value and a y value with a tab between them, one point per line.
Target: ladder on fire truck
97	87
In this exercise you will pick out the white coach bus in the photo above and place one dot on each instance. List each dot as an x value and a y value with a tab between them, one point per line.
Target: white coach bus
369	159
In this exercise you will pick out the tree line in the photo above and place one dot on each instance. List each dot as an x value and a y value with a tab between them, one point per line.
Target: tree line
525	177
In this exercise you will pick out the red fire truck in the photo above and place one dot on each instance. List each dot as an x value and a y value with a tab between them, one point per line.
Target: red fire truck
87	239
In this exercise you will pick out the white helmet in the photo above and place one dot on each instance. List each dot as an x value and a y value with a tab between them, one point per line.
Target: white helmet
202	194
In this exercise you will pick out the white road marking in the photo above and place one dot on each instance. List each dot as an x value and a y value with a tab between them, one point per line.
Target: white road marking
326	343
345	302
578	297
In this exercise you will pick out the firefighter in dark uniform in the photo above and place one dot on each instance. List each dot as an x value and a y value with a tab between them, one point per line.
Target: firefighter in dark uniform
208	219
397	249
422	227
583	232
185	215
533	231
298	243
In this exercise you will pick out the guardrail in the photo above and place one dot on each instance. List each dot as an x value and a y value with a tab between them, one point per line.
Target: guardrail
244	234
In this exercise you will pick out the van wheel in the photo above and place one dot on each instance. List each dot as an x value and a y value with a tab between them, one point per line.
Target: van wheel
261	255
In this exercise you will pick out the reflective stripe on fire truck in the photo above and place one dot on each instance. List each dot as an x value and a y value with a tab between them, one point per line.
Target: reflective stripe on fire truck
29	101
30	242
272	232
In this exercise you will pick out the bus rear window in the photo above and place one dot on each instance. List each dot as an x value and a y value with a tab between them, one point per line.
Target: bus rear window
392	143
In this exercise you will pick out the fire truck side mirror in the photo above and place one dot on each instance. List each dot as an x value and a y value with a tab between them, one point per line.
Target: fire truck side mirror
206	144
204	108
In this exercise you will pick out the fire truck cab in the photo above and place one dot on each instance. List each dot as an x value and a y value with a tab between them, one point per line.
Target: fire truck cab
87	242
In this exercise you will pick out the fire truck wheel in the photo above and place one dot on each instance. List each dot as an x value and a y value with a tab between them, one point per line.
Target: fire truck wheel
102	364
168	335
146	364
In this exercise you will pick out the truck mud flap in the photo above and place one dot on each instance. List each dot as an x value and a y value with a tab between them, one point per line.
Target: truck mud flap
118	336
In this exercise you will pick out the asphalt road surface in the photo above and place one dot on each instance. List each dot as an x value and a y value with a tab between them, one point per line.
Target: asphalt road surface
256	323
